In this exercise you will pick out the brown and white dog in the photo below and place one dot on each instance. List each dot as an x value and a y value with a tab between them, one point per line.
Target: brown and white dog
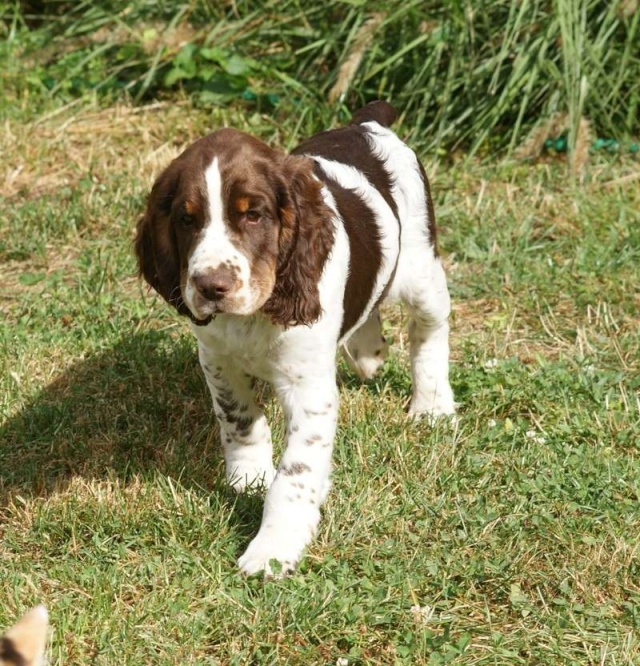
278	260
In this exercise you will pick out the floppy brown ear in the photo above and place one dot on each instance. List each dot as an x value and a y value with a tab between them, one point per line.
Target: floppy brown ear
306	237
155	245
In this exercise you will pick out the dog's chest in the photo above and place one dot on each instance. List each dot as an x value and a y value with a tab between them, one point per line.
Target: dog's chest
249	343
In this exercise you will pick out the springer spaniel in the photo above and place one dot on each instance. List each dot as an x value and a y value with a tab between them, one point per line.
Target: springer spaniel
279	259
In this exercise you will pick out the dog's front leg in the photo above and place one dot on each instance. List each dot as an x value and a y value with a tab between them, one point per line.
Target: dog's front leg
292	505
244	431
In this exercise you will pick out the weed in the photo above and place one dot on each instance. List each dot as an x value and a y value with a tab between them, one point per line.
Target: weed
478	75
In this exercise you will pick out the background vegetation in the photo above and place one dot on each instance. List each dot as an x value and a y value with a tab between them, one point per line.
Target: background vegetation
472	74
512	538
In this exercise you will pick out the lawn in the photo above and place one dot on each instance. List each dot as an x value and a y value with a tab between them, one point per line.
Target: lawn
509	537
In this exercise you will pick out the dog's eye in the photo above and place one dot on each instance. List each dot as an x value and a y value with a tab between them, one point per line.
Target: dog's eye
187	220
253	216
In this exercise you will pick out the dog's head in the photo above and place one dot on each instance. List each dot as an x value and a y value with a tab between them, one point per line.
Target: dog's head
234	226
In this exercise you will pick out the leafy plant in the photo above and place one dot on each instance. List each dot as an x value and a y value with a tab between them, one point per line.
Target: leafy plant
475	74
216	74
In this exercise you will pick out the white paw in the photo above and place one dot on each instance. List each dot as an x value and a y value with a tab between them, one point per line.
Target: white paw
245	478
364	365
274	552
433	407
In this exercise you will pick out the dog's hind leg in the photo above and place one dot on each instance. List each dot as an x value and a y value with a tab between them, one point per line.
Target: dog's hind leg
427	299
366	350
420	282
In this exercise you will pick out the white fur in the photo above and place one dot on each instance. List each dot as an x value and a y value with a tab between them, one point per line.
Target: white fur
419	281
300	361
384	218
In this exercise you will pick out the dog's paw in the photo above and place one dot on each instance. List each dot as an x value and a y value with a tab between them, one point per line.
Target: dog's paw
249	478
436	408
274	552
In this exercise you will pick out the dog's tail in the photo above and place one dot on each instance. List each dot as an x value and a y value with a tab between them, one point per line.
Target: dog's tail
378	111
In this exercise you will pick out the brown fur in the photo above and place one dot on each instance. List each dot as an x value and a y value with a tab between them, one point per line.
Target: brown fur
155	243
349	145
287	256
287	252
431	221
364	244
380	111
306	238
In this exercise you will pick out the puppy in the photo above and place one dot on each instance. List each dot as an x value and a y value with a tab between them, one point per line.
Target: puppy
278	260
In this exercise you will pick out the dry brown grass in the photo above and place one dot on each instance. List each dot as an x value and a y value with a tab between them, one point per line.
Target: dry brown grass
357	51
531	148
78	142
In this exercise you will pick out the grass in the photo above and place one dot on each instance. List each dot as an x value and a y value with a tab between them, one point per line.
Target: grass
510	539
475	75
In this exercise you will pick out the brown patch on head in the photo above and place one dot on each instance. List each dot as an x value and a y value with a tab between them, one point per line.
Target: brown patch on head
168	233
241	204
190	208
252	191
178	211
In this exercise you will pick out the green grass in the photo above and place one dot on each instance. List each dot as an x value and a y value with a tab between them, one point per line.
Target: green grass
510	539
474	74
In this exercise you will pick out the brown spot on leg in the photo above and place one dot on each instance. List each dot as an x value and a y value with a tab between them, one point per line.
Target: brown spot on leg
295	468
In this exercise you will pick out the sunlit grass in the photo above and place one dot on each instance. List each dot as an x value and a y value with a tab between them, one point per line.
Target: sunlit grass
477	75
510	538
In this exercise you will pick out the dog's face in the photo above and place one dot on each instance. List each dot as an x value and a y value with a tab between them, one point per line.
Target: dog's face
223	223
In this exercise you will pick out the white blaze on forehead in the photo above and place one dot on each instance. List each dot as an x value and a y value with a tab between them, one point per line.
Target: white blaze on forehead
215	246
214	194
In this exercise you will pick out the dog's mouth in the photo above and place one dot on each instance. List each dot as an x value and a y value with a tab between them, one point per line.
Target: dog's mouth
205	312
201	322
202	313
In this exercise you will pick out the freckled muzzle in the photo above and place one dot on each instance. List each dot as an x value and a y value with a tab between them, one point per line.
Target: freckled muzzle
214	285
216	289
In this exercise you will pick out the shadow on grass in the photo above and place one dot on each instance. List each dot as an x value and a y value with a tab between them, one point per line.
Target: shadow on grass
141	406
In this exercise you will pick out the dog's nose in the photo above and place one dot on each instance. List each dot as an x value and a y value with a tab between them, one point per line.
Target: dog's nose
214	285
